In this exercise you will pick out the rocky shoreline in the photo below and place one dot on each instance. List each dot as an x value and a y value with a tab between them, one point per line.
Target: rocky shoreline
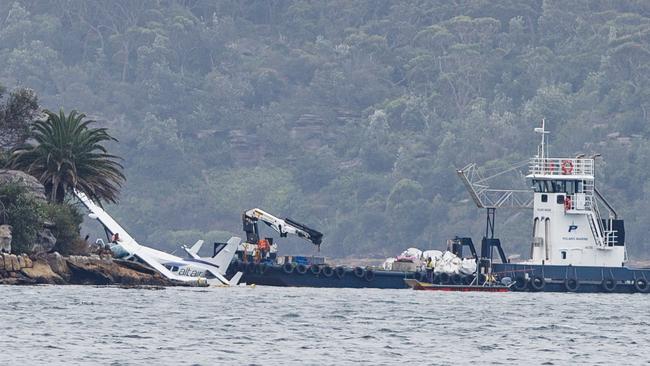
55	269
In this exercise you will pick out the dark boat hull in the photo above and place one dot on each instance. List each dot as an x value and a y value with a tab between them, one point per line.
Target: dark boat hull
274	275
532	278
580	279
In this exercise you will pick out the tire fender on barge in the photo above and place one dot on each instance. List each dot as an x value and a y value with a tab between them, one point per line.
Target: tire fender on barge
641	285
359	272
608	284
537	283
571	284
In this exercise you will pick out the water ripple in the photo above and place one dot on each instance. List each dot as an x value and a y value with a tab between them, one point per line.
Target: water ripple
61	325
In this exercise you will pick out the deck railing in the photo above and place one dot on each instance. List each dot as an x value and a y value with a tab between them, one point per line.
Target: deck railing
561	167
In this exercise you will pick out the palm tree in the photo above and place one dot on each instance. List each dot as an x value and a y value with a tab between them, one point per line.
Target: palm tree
67	153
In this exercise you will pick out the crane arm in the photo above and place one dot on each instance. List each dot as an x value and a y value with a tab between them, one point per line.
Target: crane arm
284	226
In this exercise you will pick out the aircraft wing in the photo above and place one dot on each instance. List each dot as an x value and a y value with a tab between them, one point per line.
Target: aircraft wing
106	220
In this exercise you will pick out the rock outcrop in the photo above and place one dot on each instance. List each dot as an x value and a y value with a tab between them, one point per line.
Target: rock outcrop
41	272
45	242
5	238
53	268
16	176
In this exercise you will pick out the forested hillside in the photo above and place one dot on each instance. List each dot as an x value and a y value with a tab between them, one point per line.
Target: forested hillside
349	116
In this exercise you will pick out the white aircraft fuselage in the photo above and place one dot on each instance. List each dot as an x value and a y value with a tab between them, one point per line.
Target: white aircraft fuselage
192	269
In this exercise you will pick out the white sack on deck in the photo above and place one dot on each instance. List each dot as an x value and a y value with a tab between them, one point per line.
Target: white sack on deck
468	266
449	263
412	252
433	254
388	264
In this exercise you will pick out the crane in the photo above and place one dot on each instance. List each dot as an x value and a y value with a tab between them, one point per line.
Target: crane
284	226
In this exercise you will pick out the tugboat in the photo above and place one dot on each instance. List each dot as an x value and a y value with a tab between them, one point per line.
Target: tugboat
575	246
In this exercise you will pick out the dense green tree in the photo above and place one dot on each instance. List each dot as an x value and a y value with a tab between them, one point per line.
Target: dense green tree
318	110
66	153
16	115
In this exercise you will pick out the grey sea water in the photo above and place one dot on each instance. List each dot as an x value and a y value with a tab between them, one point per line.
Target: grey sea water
74	325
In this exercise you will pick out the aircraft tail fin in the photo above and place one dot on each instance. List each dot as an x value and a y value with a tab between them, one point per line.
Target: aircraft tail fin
194	250
223	258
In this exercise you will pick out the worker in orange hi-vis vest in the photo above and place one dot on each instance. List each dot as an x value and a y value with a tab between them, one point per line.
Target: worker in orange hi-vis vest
264	247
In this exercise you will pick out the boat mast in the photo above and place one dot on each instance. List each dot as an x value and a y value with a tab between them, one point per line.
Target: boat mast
542	150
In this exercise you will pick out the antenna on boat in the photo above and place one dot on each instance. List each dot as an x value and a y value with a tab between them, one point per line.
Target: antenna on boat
542	149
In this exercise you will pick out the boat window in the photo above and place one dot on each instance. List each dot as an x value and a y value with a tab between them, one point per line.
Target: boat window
547	186
570	187
560	199
544	198
563	254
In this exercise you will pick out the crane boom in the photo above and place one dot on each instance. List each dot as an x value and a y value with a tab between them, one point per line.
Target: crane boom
284	227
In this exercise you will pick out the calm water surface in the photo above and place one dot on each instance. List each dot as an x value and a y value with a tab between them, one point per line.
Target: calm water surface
74	325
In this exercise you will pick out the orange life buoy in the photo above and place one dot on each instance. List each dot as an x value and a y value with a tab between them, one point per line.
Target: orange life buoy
567	167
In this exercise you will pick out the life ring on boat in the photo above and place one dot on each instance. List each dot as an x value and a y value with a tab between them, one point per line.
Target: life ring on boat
641	285
301	269
369	275
443	278
340	272
608	284
571	284
567	203
287	268
359	272
314	269
520	283
327	271
567	167
537	283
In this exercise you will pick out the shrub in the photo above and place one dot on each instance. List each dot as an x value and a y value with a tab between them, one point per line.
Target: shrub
23	212
67	225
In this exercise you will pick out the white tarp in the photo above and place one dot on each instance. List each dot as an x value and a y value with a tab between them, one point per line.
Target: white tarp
388	264
450	264
412	252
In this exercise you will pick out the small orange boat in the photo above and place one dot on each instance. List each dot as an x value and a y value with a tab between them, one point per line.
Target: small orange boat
417	285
